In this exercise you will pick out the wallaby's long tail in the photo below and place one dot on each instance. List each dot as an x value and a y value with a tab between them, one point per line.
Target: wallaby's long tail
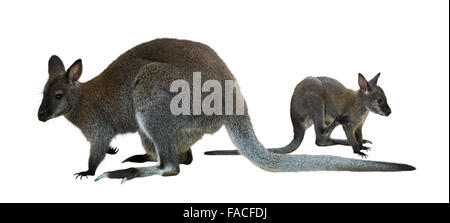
299	133
243	136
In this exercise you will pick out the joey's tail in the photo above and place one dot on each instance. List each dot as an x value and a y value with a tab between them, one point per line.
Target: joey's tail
299	133
241	132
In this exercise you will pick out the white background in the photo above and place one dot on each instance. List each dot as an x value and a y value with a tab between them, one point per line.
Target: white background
269	47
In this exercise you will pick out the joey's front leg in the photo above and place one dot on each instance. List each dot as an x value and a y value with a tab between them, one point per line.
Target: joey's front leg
358	135
349	130
96	156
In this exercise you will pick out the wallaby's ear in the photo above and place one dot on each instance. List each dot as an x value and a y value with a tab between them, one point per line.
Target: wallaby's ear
375	79
55	66
74	71
363	82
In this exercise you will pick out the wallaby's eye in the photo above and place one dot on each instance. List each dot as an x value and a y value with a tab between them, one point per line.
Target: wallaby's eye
379	100
58	96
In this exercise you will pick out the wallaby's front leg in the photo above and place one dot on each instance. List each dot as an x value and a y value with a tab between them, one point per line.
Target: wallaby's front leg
157	123
168	163
96	156
358	135
349	130
323	131
323	139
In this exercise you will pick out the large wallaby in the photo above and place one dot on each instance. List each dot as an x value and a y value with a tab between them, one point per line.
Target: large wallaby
137	98
101	108
326	103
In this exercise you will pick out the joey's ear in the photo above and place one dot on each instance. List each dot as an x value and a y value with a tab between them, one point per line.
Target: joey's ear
74	71
55	66
363	82
375	79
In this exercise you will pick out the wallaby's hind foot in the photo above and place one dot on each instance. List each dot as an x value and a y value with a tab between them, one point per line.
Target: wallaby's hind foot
112	150
343	142
131	173
366	141
125	174
142	158
185	158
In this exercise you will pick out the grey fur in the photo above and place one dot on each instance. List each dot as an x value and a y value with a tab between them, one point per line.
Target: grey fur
139	98
326	103
102	107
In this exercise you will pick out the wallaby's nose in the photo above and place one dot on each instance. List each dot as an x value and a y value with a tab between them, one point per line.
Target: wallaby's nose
41	115
388	112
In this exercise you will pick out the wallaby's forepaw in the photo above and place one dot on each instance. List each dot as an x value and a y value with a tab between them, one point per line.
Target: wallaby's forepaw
125	174
366	141
84	174
112	150
363	155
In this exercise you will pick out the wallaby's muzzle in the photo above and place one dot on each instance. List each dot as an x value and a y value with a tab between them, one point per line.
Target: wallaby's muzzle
43	114
388	112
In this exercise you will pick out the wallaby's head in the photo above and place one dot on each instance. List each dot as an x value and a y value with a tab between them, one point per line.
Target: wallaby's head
61	90
373	96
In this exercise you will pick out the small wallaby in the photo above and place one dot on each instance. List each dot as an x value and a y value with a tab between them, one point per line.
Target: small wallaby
137	96
326	103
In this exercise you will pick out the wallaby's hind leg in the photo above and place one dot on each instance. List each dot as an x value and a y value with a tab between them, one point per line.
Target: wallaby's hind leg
165	148
358	135
152	105
151	156
323	131
185	158
345	142
150	152
316	109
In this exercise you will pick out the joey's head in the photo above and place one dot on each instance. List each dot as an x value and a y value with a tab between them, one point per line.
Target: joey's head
373	96
61	90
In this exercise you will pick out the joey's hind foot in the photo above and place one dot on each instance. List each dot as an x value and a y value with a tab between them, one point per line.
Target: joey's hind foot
364	141
112	150
84	174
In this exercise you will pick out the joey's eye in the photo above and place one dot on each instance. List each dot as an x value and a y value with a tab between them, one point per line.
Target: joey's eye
58	96
379	100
